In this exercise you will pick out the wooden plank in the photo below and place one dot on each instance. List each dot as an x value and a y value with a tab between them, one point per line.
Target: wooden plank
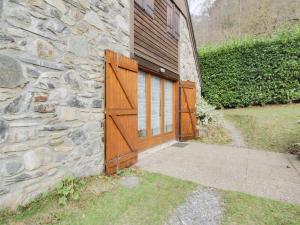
155	28
152	58
156	56
152	41
120	111
187	110
155	39
154	69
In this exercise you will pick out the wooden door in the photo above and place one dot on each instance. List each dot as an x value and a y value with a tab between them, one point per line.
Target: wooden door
188	110
121	112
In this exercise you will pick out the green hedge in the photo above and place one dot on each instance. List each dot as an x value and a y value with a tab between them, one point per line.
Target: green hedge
252	72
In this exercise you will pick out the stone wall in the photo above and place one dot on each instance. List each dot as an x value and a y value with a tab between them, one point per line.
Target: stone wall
187	64
51	90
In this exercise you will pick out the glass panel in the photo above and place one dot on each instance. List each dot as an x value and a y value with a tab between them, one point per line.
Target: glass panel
142	106
155	105
168	106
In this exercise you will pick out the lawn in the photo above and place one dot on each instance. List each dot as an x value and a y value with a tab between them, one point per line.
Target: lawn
104	201
271	128
243	209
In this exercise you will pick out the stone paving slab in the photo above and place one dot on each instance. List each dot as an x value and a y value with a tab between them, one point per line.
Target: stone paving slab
266	174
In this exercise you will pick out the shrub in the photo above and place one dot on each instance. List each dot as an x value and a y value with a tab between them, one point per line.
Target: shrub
252	71
69	189
207	113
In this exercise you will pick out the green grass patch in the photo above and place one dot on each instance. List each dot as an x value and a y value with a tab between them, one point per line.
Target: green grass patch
104	201
243	209
271	128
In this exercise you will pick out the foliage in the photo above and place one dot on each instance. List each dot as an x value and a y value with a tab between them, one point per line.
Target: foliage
69	189
252	71
243	209
211	124
206	112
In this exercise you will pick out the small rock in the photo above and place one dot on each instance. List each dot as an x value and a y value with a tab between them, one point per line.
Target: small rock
42	49
33	72
84	3
4	38
55	26
130	182
58	4
44	108
93	19
56	142
3	131
55	127
63	148
41	97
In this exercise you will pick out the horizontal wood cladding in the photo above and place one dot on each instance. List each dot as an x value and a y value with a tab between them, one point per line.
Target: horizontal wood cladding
153	45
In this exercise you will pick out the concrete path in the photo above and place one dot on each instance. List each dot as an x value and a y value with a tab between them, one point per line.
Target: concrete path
260	173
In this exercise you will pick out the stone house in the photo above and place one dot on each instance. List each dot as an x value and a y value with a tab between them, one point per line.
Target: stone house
68	71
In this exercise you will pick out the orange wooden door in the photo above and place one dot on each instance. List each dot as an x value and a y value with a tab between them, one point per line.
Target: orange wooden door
188	110
121	112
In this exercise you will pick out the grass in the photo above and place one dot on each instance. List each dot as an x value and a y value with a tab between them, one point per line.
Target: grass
272	128
243	209
214	133
105	202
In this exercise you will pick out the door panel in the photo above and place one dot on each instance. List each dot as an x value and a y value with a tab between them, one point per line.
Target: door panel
121	112
188	110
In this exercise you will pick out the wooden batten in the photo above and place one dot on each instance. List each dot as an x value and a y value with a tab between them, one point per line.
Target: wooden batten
154	47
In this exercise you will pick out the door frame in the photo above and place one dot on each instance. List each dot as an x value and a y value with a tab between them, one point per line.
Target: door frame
150	141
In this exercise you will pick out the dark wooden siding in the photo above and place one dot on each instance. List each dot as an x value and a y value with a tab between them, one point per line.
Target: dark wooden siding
152	42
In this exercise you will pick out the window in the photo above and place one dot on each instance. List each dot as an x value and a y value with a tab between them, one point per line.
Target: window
168	106
146	5
155	105
142	106
173	16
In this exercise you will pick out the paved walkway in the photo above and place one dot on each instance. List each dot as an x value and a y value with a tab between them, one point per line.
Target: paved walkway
260	173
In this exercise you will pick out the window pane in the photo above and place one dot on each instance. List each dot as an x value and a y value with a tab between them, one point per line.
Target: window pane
168	86
155	105
142	111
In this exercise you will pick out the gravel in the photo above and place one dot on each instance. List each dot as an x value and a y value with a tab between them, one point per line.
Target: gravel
202	207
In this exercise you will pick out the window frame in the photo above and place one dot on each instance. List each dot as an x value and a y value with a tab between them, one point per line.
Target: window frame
165	135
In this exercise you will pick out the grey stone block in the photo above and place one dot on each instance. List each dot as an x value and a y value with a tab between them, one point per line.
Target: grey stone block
97	103
75	102
2	190
11	74
3	131
78	137
78	46
19	104
13	168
